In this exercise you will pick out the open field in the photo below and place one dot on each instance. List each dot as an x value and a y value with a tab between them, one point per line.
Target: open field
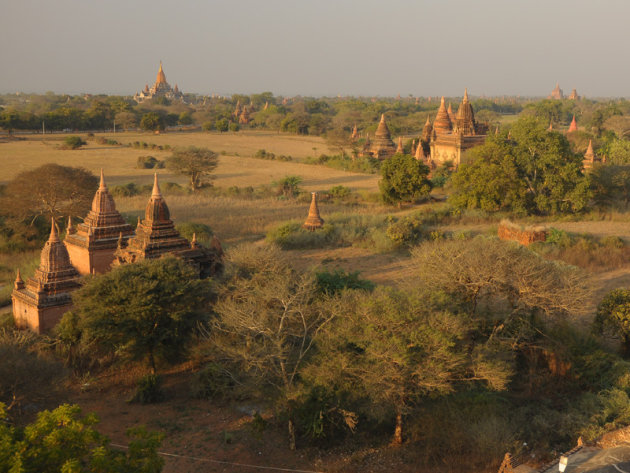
236	167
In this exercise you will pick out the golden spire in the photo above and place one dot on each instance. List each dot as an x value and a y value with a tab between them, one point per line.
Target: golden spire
161	77
193	242
465	95
19	283
102	183
53	232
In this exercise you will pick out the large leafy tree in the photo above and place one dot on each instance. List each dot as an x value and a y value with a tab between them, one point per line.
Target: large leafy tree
532	171
403	178
194	162
145	311
49	191
64	440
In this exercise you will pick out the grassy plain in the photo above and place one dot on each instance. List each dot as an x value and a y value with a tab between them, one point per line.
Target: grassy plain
236	165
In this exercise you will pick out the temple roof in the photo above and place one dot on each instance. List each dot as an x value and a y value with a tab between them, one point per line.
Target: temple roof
55	262
573	127
156	210
590	154
161	77
442	122
465	121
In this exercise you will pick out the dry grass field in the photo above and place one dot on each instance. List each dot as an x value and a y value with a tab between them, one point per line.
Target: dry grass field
236	167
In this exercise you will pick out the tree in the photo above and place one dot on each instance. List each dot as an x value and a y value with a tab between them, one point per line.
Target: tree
73	142
395	348
533	172
610	186
288	186
126	120
146	311
196	163
222	125
340	140
403	179
152	121
613	317
268	323
50	191
63	440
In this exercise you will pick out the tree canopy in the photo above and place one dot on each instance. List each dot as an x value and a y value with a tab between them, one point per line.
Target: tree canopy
403	178
533	171
146	311
194	162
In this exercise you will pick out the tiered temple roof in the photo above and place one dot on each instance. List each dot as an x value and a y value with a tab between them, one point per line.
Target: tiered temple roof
39	303
442	123
98	234
383	146
465	121
313	221
156	236
161	88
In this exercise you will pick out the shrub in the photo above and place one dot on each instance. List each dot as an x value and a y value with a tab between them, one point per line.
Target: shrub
212	381
234	127
288	186
203	232
73	142
148	390
340	192
338	280
207	126
149	162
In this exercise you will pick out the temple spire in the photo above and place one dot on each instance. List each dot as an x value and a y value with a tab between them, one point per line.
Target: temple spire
102	183
54	236
156	187
573	127
400	149
465	95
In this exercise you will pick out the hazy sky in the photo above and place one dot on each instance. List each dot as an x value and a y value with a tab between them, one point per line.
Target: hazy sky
317	47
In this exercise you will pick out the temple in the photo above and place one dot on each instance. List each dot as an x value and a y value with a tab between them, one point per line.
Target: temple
313	221
161	88
573	126
382	147
156	236
40	302
244	118
91	245
574	95
450	138
589	157
556	93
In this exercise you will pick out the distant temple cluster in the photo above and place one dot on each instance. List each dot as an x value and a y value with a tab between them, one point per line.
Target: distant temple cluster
442	142
161	88
102	241
558	94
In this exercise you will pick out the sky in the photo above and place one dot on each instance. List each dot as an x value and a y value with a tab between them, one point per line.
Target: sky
317	47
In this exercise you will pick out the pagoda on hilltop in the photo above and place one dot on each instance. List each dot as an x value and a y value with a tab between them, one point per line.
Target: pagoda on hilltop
161	88
91	245
452	136
40	302
382	147
156	236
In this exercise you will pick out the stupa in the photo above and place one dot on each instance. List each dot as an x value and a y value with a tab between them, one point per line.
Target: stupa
573	126
156	236
589	156
442	123
313	221
91	245
427	130
40	302
399	148
574	95
382	147
556	93
244	118
465	121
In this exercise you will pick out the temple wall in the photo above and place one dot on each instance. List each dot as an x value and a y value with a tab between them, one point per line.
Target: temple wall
79	257
49	317
25	315
102	260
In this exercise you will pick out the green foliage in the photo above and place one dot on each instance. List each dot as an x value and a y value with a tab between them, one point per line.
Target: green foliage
234	127
610	186
202	231
144	311
404	179
149	162
212	381
129	190
288	186
339	192
207	126
63	441
613	316
148	390
534	172
367	164
73	142
152	121
334	282
222	125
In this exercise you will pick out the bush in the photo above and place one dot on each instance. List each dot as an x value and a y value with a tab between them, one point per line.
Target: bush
73	142
203	232
338	280
288	186
148	390
149	162
207	126
340	192
234	127
211	382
